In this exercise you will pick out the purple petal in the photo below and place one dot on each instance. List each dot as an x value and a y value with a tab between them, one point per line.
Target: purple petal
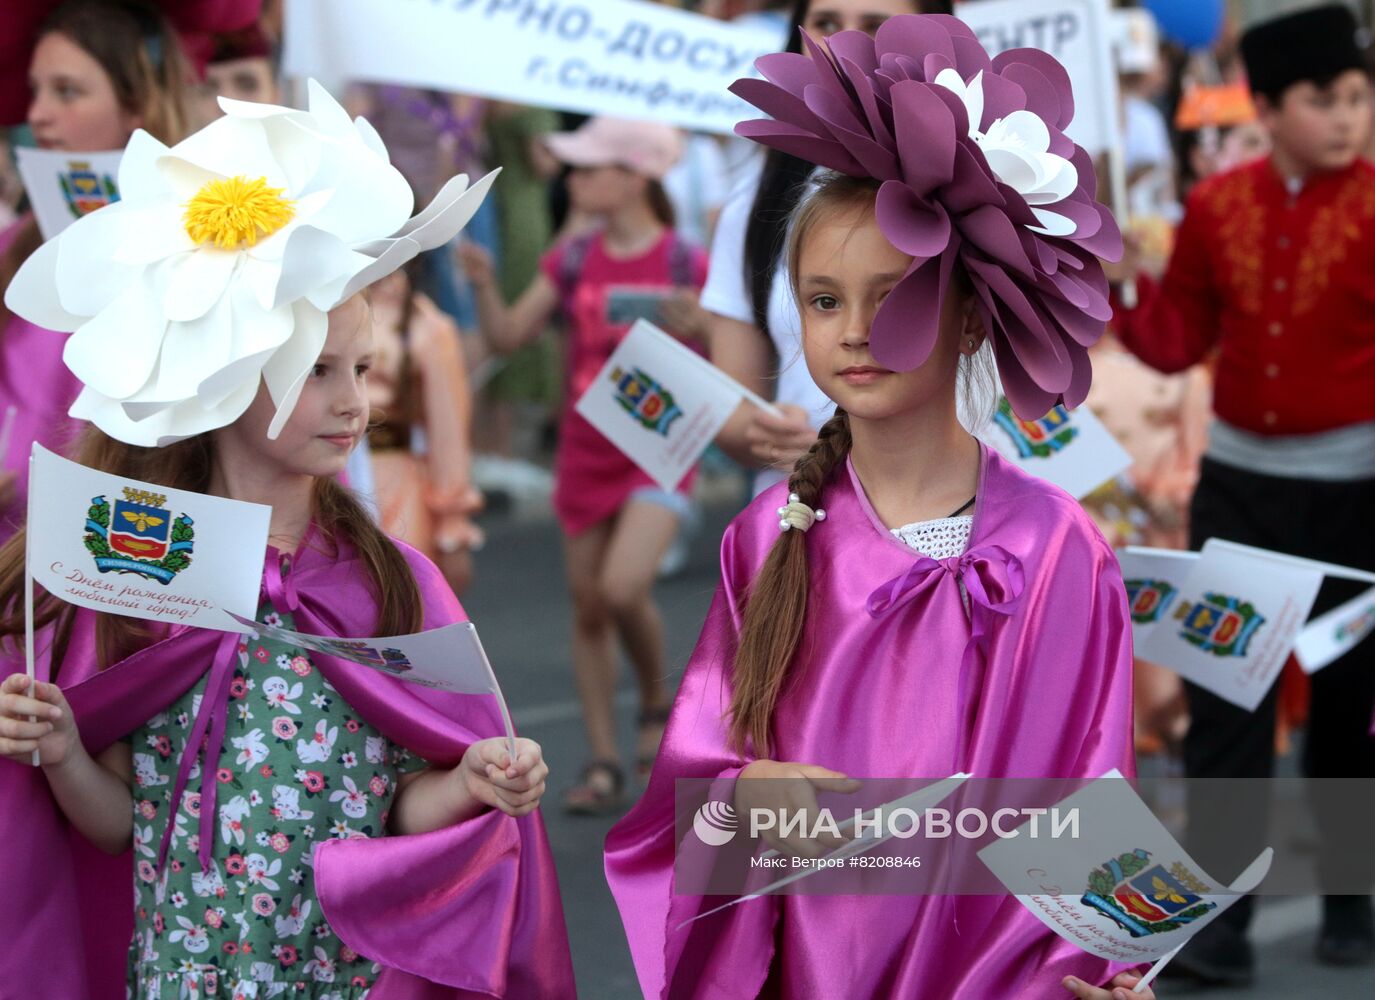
989	229
925	132
789	70
1088	177
973	183
800	143
918	227
878	113
914	36
907	323
932	65
1078	390
970	56
1050	68
828	75
1041	98
776	102
840	115
856	47
1038	346
1001	98
1029	401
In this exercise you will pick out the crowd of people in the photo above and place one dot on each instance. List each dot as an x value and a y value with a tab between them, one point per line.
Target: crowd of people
888	293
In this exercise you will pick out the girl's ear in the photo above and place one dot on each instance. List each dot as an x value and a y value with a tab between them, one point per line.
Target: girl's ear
972	330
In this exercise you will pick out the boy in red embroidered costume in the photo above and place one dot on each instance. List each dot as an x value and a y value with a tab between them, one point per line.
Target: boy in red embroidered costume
1273	269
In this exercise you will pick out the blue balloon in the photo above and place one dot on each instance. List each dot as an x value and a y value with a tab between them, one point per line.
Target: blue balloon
1194	24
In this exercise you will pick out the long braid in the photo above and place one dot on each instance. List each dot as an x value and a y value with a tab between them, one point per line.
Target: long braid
777	605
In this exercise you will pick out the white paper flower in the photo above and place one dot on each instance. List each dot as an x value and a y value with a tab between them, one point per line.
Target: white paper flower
1017	148
214	271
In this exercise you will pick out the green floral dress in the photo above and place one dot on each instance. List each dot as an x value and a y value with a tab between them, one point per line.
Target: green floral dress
297	766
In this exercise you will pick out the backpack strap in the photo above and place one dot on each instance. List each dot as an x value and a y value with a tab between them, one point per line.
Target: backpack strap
571	265
680	262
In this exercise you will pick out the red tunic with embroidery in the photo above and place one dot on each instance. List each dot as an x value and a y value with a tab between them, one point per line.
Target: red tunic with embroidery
1283	285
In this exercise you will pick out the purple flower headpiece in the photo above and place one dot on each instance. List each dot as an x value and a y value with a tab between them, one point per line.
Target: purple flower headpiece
974	167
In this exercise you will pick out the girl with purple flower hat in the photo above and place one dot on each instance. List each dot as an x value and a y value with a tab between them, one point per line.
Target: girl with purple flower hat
908	604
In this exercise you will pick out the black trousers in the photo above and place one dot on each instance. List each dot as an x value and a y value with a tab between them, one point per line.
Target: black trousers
1333	522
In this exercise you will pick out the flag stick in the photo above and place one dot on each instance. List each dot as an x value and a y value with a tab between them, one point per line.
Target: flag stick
28	584
496	690
1154	970
6	432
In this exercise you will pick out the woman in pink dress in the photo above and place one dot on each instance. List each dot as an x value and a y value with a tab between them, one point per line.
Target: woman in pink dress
616	522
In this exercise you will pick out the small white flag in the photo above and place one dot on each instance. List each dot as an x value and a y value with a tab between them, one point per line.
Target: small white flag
661	403
1234	621
1123	889
450	658
1071	448
138	549
1154	579
63	186
1336	632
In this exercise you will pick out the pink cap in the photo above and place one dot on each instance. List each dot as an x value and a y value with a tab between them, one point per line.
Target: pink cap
648	148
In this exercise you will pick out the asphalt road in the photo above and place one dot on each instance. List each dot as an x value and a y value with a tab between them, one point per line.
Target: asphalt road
520	604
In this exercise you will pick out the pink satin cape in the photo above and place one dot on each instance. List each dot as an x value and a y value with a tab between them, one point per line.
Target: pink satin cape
1048	694
469	911
35	381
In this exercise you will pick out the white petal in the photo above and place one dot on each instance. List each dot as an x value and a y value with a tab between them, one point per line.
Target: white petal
152	233
287	371
1012	168
32	292
197	282
1059	179
1052	224
1028	127
139	177
371	200
192	352
452	209
314	258
230	147
370	137
256	334
115	352
173	423
327	112
87	276
396	254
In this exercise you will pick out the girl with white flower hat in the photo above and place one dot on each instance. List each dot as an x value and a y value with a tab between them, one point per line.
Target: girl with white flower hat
272	796
99	69
908	605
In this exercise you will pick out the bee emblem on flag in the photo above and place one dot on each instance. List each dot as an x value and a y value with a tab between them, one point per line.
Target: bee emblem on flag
1036	438
139	535
85	190
1357	627
1219	624
1145	898
645	399
1149	599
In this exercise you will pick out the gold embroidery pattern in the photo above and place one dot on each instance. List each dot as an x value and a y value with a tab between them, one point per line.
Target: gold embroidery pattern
1335	229
1239	220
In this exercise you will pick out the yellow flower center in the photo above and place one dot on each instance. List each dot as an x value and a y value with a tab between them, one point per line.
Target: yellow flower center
237	212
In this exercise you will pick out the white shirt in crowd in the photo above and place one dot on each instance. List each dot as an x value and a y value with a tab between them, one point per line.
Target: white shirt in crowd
727	294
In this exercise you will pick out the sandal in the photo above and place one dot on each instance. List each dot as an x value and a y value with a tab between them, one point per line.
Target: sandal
650	718
599	792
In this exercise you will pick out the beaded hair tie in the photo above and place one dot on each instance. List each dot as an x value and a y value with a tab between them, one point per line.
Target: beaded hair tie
798	515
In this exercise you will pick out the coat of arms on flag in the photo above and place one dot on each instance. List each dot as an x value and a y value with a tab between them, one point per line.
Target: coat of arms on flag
645	399
1036	438
1149	599
1219	624
1144	898
85	190
139	535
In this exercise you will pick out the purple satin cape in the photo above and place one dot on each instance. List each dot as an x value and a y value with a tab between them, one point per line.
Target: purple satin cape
895	679
469	911
35	381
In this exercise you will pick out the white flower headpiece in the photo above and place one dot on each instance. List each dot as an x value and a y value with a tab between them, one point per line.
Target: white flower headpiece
215	270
